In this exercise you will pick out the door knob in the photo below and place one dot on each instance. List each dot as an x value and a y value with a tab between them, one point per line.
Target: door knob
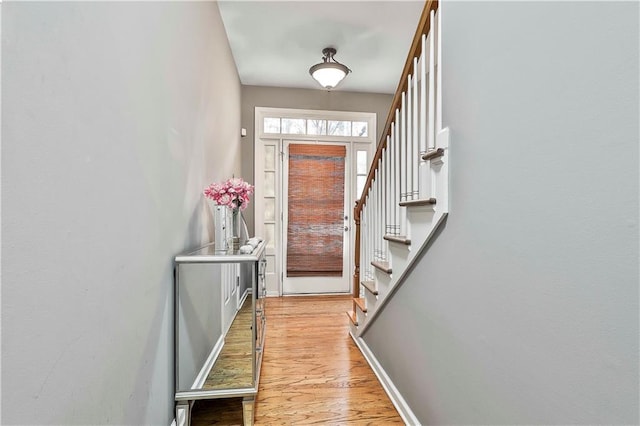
346	228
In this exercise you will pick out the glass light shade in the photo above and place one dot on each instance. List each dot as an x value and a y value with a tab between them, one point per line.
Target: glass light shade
328	74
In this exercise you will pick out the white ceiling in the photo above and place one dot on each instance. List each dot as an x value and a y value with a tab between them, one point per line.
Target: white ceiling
275	42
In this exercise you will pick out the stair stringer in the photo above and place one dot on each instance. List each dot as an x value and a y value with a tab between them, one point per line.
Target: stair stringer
392	282
423	222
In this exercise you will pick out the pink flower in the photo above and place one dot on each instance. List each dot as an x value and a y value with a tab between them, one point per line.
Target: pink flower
233	193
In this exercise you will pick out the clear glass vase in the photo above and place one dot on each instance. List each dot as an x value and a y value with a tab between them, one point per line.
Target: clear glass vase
236	226
220	222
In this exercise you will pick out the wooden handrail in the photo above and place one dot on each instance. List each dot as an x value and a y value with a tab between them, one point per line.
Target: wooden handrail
424	25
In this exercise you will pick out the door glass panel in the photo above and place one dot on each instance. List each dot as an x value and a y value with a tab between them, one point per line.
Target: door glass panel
269	157
270	232
361	180
361	160
269	184
271	264
269	209
315	229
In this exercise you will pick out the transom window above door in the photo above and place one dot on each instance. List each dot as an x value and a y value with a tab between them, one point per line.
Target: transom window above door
315	127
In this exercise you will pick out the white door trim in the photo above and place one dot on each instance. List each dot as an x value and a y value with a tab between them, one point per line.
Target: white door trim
264	228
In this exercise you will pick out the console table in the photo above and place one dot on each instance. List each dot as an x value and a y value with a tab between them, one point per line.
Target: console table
219	327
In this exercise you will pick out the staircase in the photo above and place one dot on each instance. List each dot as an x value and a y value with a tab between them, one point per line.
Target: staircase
405	198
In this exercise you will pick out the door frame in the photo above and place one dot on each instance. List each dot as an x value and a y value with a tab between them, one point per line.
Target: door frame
347	240
263	228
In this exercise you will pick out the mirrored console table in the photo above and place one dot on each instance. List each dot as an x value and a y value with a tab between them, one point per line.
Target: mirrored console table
219	327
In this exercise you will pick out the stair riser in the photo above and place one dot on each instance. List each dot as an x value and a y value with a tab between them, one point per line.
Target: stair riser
420	220
353	329
383	281
399	256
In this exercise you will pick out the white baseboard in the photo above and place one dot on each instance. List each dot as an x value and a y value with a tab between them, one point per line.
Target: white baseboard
396	398
211	359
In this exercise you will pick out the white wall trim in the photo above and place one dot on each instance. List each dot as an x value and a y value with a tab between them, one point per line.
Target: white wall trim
211	359
394	394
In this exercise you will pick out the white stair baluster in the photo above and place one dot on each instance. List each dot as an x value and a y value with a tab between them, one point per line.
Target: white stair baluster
392	179
438	47
415	145
396	178
424	165
387	183
408	150
403	164
431	136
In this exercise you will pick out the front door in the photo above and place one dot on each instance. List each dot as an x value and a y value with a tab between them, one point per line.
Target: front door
316	218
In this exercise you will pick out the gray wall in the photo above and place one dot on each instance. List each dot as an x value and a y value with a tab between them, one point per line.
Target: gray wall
115	116
525	308
279	97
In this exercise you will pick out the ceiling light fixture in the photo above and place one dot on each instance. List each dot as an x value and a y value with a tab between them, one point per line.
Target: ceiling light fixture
329	72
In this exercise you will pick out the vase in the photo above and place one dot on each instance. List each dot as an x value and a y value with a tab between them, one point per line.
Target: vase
236	226
220	222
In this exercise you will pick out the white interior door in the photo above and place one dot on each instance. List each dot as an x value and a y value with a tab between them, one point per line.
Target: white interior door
315	206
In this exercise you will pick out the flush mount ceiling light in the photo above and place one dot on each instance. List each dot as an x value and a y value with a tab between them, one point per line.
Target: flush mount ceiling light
329	72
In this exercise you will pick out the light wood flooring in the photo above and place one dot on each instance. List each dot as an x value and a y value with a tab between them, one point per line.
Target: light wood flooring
312	372
233	366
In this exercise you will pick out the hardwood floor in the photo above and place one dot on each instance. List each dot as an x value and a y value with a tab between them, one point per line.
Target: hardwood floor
312	372
233	367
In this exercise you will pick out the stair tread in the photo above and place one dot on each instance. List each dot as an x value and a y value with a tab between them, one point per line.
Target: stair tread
415	203
398	239
371	286
359	302
383	266
433	154
352	317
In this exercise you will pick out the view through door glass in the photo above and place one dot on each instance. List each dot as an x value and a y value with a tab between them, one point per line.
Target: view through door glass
315	230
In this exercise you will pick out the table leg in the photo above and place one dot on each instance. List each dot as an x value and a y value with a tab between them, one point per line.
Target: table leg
248	404
183	413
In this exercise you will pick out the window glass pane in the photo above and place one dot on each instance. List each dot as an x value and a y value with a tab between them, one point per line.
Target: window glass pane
269	184
361	180
269	157
270	232
361	163
294	126
316	127
360	128
271	264
269	209
339	128
271	125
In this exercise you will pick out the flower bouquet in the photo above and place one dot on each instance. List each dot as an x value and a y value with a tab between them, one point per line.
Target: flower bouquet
234	195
